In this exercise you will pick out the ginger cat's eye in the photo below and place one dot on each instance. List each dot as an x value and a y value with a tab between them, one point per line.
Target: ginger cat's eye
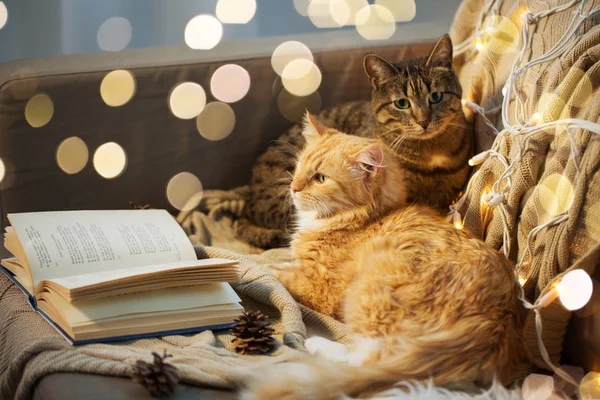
402	104
436	97
320	178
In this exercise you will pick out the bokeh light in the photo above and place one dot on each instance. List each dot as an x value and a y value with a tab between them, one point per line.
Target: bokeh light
187	100
301	7
2	170
72	155
230	83
536	387
575	289
110	160
301	77
236	11
184	191
555	194
340	12
375	22
3	14
501	34
203	32
118	88
589	388
293	107
355	6
328	13
39	110
287	52
114	34
402	10
216	121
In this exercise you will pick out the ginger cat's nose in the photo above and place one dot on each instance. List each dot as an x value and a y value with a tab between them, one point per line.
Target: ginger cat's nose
295	188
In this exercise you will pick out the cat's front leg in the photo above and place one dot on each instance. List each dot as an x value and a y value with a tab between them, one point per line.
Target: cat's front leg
275	269
309	285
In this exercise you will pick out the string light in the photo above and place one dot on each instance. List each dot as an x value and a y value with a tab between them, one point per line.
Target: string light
479	44
479	158
570	298
487	197
522	279
457	220
575	289
535	118
496	199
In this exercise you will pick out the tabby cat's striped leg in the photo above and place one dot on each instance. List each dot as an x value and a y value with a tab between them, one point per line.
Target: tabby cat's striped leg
260	237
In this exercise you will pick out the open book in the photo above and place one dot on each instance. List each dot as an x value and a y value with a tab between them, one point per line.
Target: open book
115	275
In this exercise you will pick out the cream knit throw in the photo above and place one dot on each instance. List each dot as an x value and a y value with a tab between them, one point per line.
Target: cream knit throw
31	349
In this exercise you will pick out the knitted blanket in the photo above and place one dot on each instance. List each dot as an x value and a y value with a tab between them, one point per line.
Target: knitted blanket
32	349
552	176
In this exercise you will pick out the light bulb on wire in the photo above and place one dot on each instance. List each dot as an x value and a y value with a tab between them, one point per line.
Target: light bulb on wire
535	118
574	291
457	221
479	44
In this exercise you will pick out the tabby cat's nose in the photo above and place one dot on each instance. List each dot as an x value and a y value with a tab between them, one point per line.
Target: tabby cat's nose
424	124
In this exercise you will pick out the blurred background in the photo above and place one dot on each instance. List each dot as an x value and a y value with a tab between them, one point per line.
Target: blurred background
35	28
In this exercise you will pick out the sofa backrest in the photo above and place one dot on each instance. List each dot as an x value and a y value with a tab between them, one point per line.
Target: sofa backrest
157	144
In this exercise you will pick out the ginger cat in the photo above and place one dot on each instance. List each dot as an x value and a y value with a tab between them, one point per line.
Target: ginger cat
421	299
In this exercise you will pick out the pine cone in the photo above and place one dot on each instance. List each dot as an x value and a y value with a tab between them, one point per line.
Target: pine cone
159	377
253	335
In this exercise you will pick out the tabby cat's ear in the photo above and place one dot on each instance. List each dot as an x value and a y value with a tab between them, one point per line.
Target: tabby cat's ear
370	159
441	55
378	69
313	128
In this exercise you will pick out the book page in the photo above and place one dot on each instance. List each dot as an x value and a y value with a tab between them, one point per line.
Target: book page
84	280
146	302
59	244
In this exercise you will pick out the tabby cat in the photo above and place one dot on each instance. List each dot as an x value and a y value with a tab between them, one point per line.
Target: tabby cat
421	299
415	108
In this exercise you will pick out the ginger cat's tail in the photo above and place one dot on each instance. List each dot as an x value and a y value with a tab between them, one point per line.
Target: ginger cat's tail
459	362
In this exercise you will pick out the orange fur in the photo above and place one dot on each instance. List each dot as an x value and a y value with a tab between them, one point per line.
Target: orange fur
438	303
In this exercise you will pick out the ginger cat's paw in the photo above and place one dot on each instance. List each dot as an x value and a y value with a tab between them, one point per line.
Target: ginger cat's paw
332	351
275	269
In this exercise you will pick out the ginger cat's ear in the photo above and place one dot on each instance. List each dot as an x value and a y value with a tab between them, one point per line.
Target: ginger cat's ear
441	55
370	159
378	69
313	128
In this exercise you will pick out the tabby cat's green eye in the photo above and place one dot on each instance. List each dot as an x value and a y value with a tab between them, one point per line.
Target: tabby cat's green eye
435	97
402	104
320	178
